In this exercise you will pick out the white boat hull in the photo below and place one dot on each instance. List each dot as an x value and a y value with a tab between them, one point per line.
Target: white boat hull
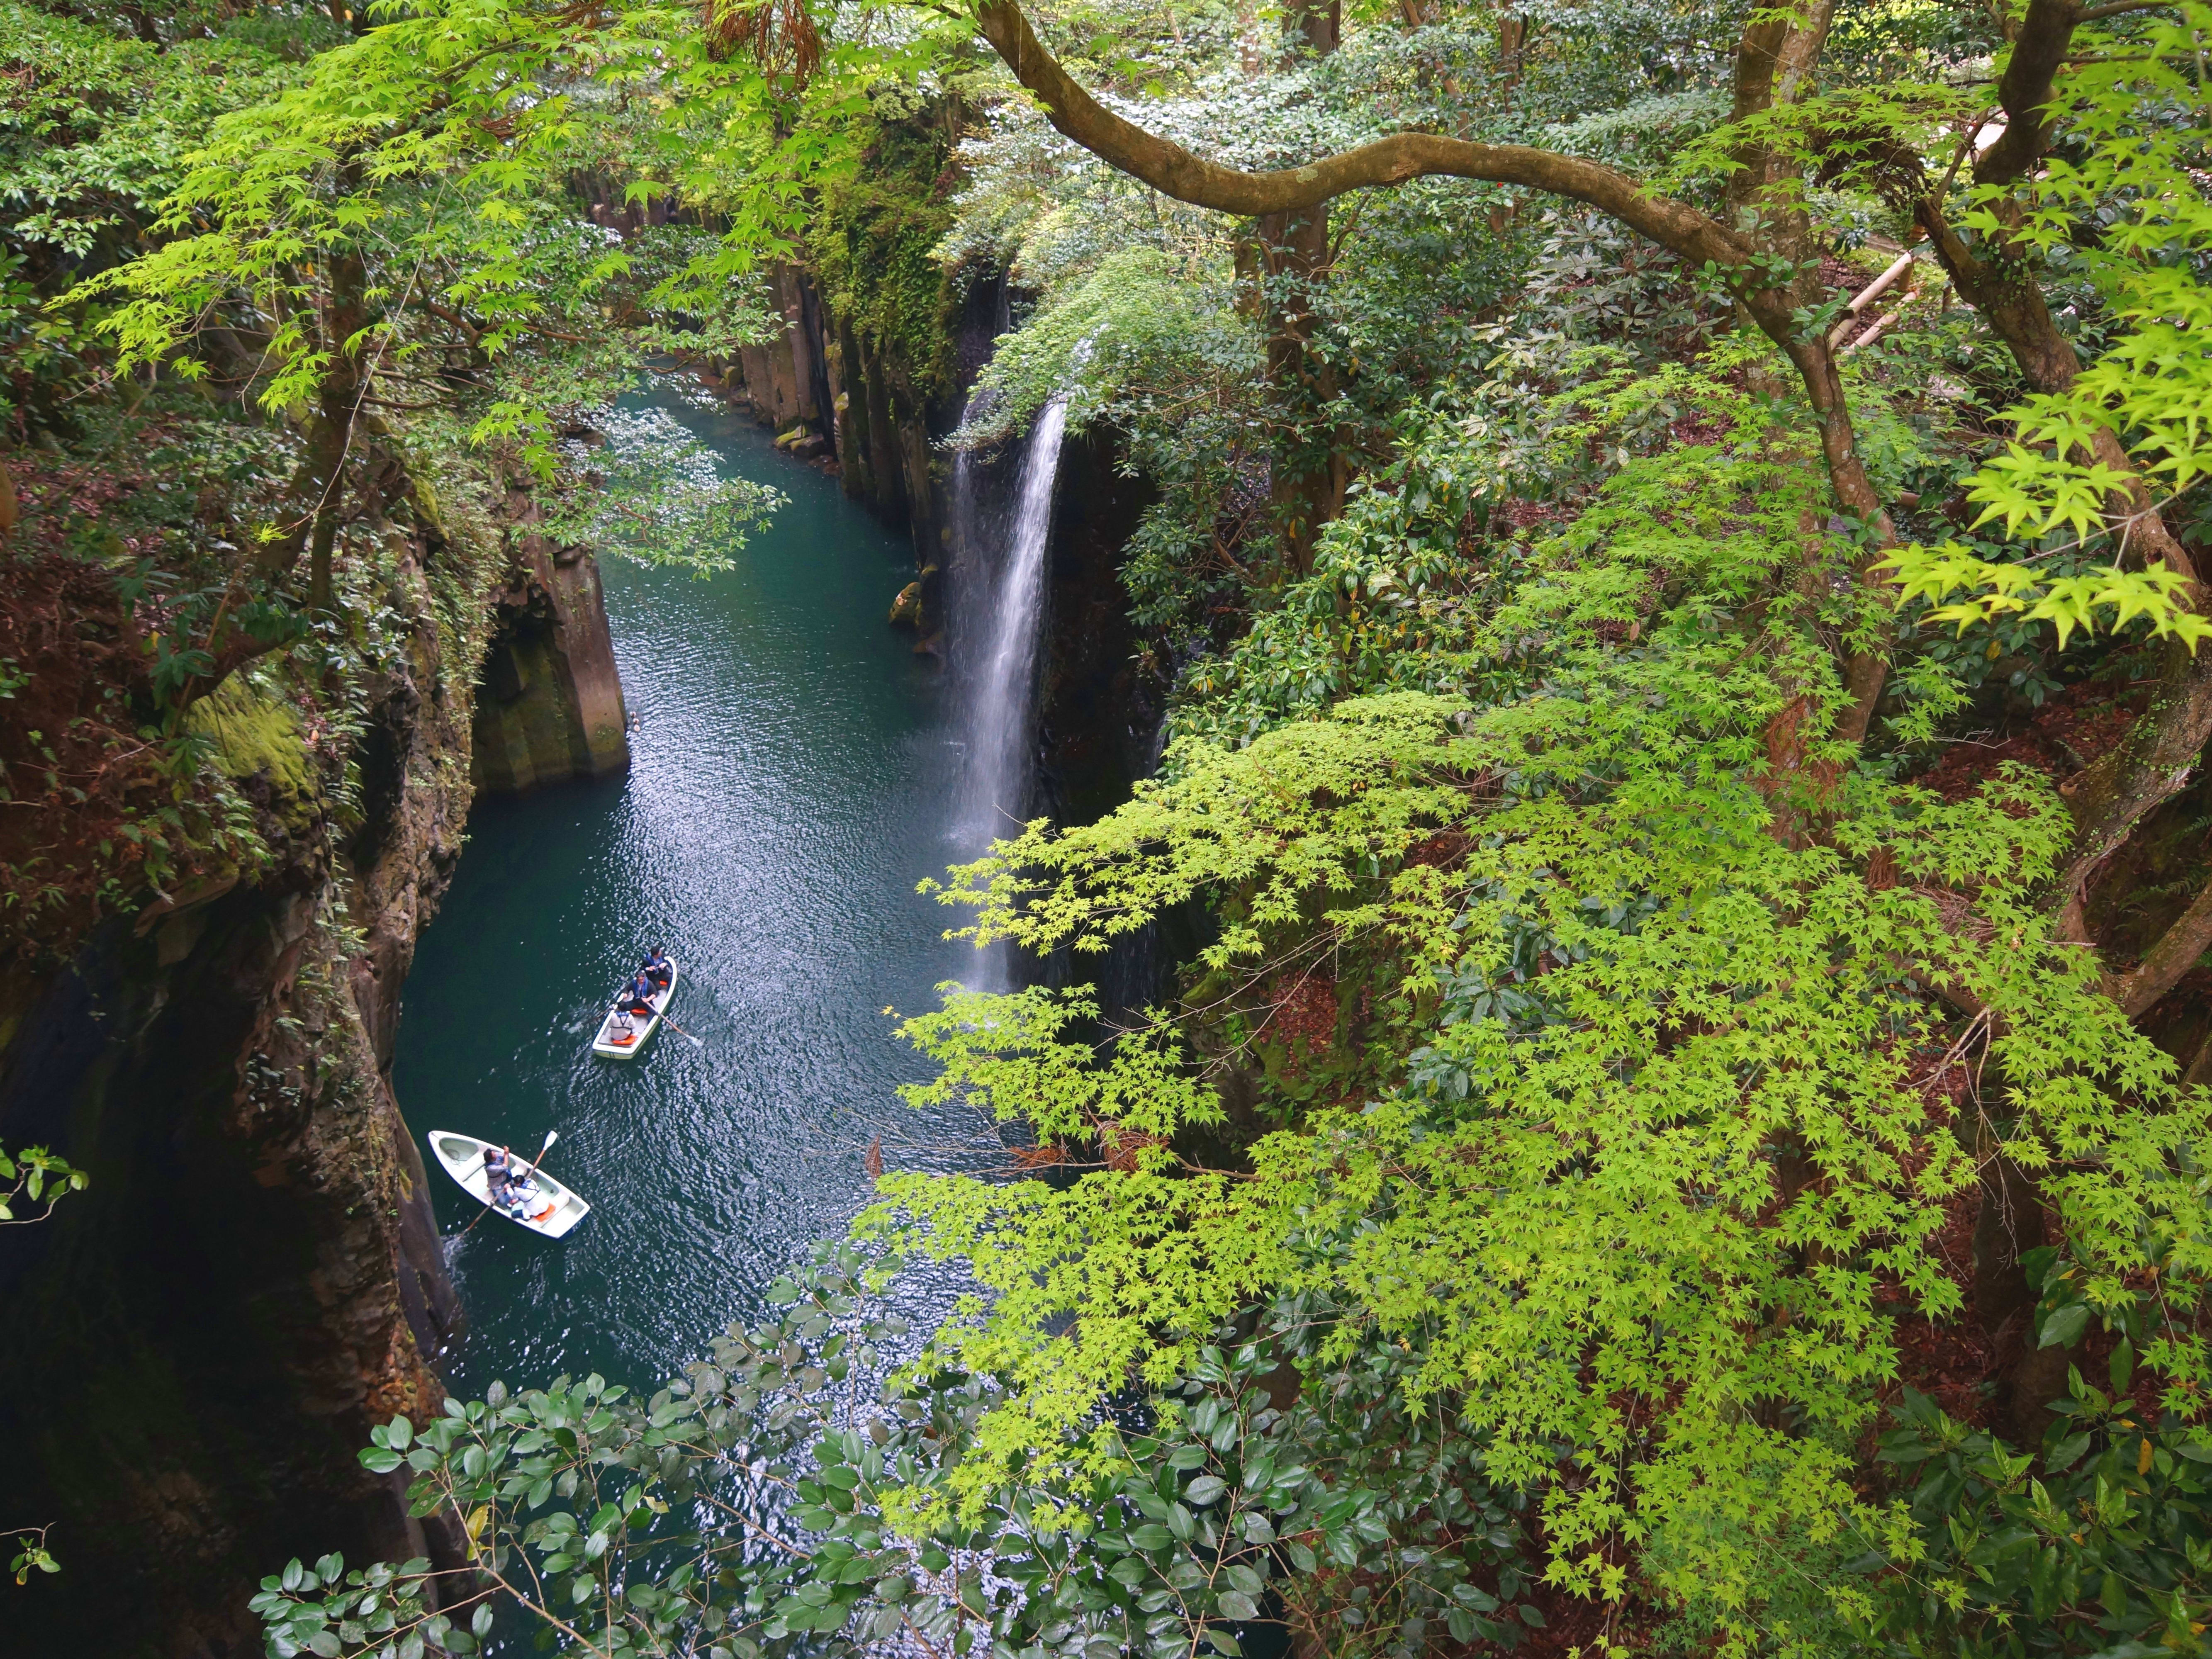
554	1212
622	1036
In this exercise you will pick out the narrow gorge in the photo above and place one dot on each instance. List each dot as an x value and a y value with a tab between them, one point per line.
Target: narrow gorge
256	1273
1025	832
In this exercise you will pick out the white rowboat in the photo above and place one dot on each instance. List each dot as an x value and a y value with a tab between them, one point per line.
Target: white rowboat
555	1210
622	1036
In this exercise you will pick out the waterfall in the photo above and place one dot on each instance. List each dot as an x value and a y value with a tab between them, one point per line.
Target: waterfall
995	794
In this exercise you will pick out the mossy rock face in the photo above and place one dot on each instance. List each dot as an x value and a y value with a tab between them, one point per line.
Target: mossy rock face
873	248
254	734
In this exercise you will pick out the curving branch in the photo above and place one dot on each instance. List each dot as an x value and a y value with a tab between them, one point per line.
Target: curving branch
2046	33
1174	171
1778	56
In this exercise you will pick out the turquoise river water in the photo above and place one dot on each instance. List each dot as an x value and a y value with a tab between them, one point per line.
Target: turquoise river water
793	778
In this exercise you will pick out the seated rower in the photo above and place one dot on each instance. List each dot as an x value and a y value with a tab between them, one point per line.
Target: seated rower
498	1174
507	1185
638	998
507	1189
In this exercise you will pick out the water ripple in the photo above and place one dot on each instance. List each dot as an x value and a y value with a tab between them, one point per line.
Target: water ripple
793	778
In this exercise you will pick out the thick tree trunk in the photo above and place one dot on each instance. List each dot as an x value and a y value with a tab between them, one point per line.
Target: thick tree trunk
2149	766
2199	1069
1291	261
1292	264
2162	966
1314	25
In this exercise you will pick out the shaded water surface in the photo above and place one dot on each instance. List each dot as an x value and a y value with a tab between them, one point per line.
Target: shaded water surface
793	778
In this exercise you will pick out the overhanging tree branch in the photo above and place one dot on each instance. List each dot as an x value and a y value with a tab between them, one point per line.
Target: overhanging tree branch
1776	59
1175	171
1778	56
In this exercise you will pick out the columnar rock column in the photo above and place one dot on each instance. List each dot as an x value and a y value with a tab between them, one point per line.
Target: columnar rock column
550	705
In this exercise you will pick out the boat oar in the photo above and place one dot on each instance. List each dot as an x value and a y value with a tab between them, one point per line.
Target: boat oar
681	1032
552	1135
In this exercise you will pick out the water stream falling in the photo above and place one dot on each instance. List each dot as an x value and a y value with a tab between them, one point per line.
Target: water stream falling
995	793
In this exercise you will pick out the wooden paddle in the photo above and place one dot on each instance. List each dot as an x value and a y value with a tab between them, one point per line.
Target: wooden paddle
670	1024
674	1027
552	1135
679	1030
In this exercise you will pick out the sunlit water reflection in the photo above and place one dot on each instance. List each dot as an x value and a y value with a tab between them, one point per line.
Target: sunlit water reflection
793	777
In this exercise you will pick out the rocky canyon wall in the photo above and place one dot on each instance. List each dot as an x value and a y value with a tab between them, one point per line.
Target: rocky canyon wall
1099	711
842	399
197	1344
551	704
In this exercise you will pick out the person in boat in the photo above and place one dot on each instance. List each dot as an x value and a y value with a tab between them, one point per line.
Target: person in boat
506	1190
499	1175
658	968
637	999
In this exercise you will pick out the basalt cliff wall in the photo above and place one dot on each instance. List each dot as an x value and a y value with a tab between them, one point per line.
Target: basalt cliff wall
861	405
878	414
550	702
197	1344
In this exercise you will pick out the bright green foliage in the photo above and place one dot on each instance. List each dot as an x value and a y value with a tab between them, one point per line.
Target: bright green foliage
31	1553
1302	812
2157	596
410	141
2133	168
1571	1204
409	153
97	132
2124	210
36	1174
764	1503
1005	1053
